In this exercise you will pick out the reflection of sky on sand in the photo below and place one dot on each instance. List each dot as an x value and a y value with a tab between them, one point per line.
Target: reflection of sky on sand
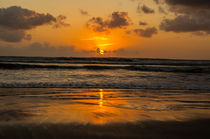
101	106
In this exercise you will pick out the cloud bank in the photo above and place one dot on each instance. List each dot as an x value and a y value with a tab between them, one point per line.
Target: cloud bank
190	3
15	21
42	49
191	16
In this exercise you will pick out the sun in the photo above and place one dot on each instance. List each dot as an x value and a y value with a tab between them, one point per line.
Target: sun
101	52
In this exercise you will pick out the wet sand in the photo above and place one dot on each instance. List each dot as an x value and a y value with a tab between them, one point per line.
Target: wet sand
195	129
35	113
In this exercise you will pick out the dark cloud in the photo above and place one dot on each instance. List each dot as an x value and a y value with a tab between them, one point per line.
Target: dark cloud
18	18
60	22
191	16
9	35
117	20
162	10
157	1
187	23
141	23
83	12
148	32
190	3
14	21
145	9
125	52
40	49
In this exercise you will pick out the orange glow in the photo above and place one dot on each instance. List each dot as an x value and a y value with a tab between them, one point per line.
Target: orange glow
96	38
101	52
106	42
101	42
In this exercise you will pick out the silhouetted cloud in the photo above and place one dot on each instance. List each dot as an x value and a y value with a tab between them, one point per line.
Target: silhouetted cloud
125	52
60	22
187	23
148	32
157	1
14	21
145	9
162	10
190	3
41	49
191	16
141	23
117	20
83	12
18	18
9	35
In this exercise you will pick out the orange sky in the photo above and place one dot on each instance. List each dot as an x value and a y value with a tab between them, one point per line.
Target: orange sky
115	39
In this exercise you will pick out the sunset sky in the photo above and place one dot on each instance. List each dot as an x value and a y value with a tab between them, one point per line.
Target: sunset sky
125	28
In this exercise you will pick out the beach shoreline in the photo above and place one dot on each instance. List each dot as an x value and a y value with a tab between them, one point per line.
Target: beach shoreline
140	130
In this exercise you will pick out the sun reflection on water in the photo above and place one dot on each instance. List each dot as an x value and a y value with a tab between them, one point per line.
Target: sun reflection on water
101	98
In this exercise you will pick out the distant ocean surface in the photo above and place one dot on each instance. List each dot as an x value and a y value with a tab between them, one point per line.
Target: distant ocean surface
112	73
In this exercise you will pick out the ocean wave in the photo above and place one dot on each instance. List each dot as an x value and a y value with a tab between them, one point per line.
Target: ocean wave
111	85
190	69
110	60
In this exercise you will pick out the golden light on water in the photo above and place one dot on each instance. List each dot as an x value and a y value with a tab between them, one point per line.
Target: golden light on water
101	98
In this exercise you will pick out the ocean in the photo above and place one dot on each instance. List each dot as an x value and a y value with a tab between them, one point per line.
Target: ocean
53	97
111	73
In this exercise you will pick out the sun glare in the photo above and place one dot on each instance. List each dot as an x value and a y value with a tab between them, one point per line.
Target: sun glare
102	52
104	44
96	38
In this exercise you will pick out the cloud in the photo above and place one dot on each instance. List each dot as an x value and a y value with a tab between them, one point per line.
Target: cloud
141	23
162	10
145	9
9	35
187	23
60	22
83	12
157	1
148	32
191	16
18	18
117	20
125	52
190	3
14	21
41	49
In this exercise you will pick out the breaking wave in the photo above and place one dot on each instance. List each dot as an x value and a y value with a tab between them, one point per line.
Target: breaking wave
159	68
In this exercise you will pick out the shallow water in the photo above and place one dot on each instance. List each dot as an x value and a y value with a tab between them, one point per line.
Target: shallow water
101	106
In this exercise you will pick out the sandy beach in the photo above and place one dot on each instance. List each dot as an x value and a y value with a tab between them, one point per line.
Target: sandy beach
193	129
38	113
